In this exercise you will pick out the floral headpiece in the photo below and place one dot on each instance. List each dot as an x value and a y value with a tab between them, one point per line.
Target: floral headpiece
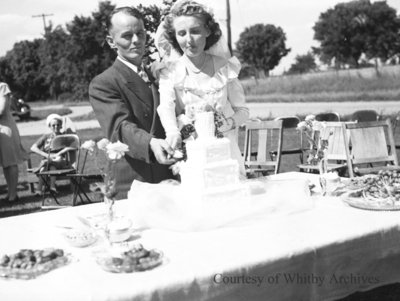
185	7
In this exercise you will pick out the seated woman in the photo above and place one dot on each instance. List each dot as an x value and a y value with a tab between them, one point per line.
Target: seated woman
57	159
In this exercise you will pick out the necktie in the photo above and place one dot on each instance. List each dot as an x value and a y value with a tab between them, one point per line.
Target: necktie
142	73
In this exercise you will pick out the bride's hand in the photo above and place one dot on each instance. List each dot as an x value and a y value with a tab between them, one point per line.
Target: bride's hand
175	141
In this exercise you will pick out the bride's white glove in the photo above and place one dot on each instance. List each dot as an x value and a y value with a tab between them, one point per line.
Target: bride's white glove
174	140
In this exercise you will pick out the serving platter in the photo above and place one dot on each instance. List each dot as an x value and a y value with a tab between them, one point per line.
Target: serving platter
25	269
138	259
362	203
378	192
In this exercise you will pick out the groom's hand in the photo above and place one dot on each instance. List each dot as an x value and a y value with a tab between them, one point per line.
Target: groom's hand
162	151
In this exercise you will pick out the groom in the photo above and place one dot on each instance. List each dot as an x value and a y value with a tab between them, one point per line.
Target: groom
126	107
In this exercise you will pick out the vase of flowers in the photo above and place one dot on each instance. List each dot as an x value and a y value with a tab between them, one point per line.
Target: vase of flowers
107	154
317	136
318	141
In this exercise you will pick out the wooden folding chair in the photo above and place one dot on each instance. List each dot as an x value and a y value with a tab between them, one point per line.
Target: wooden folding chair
365	116
27	173
329	116
81	175
395	127
292	142
60	142
335	152
261	138
370	147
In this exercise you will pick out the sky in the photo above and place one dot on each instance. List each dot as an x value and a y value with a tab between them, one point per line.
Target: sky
295	17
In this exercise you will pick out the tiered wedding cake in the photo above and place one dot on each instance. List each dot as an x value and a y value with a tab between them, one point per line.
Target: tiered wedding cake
211	193
209	171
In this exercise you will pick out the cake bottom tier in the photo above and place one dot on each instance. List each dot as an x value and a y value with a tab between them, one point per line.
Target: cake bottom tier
210	175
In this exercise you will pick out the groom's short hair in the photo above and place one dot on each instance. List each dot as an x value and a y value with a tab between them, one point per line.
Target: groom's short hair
129	10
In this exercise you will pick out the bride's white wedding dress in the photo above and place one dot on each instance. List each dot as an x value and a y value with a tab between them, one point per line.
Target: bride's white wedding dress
182	93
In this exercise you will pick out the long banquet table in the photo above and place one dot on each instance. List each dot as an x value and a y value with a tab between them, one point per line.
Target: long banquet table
324	253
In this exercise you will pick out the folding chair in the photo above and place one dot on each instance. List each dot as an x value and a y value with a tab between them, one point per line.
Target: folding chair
80	176
370	147
291	136
261	138
330	117
395	126
27	173
365	116
335	153
70	141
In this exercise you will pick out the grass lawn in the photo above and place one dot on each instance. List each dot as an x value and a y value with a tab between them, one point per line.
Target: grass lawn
343	86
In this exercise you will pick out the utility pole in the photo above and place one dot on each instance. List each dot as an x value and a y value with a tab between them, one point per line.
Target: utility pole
43	16
228	25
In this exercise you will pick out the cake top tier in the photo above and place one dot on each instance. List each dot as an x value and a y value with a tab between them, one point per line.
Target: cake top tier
204	125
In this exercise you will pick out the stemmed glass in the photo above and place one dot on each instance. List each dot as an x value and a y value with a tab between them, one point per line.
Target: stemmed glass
112	153
109	192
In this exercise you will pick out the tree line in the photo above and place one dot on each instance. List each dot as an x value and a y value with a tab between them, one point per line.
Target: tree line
62	63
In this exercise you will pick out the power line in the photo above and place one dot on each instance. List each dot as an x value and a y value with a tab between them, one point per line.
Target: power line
228	25
43	16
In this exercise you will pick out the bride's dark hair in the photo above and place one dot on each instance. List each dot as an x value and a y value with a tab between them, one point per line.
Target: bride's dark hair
192	8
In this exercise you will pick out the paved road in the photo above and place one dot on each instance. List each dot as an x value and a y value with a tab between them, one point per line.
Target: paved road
260	110
39	127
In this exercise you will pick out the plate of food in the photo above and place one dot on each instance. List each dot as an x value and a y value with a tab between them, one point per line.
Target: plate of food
80	237
378	192
137	259
353	186
30	263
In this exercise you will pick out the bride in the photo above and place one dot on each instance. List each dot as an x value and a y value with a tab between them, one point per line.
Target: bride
200	72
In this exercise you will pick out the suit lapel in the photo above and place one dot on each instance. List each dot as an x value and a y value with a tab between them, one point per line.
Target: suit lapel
135	84
148	96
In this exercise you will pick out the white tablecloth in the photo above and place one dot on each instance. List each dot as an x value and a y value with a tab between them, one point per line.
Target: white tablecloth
321	254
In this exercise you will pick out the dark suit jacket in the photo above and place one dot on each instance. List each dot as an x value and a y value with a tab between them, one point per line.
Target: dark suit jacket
126	109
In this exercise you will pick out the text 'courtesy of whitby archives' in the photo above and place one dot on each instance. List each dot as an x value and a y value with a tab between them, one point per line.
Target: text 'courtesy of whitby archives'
295	279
